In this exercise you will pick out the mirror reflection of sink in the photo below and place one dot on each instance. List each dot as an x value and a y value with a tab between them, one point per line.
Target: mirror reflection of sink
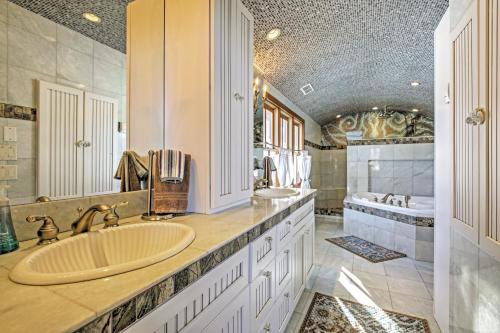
276	192
103	253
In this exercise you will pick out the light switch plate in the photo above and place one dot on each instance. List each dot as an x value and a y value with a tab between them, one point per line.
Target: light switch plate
8	172
9	134
8	152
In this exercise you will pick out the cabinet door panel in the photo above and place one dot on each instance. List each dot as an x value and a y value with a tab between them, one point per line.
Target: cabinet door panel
465	201
297	266
308	247
262	291
234	319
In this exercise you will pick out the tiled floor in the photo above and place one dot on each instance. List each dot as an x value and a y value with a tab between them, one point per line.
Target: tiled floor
402	285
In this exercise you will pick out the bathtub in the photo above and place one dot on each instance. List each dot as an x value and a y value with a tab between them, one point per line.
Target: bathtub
417	206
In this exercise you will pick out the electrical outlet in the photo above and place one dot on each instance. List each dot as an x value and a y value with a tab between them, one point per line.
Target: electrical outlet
9	134
8	152
8	172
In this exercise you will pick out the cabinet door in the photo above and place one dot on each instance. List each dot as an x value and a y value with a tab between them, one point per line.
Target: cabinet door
262	291
308	248
234	319
491	231
466	139
298	265
101	144
242	113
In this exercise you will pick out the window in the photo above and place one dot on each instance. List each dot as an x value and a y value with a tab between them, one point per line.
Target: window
268	129
284	141
297	136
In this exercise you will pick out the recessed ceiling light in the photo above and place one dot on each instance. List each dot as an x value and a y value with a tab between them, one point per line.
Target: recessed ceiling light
415	110
375	108
415	84
92	17
273	34
338	116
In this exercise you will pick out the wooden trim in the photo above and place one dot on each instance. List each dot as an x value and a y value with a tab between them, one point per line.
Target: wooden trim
276	102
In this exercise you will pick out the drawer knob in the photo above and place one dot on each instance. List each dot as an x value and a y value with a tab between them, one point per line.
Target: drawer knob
289	222
267	274
287	251
267	327
269	239
286	295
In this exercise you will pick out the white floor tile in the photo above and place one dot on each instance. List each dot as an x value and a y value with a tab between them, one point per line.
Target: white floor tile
400	272
407	287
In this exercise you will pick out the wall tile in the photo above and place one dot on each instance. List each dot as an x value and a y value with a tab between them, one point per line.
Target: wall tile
109	55
424	251
3	42
403	152
3	11
26	20
403	169
363	185
26	138
384	238
352	153
423	169
381	185
74	40
423	186
403	186
23	189
381	169
31	52
424	151
21	87
107	76
74	66
3	81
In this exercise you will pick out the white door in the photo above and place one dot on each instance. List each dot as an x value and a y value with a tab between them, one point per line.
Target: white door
100	144
60	141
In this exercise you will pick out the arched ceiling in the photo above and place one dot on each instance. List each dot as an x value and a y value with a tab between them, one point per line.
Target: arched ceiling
355	53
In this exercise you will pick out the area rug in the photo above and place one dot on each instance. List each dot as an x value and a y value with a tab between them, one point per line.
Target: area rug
365	249
329	314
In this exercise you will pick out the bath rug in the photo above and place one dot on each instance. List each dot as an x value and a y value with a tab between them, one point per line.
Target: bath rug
365	249
329	314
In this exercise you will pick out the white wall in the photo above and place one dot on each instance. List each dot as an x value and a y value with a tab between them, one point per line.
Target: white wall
312	128
442	181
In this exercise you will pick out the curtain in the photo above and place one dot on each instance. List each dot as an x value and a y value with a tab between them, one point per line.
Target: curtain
304	169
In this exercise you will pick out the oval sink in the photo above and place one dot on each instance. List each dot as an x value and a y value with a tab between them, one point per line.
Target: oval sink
276	192
103	253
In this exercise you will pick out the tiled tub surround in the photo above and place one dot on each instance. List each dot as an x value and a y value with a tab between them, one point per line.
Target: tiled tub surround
35	48
411	235
398	168
111	304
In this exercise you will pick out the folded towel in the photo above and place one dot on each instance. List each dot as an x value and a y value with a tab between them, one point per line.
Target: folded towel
171	165
131	170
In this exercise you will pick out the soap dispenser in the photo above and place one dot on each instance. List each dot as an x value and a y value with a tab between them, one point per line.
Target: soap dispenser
8	240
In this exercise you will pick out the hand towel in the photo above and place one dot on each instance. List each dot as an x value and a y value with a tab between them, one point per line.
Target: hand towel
131	170
171	165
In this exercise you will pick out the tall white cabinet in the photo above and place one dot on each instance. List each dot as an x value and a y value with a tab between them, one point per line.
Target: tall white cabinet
206	65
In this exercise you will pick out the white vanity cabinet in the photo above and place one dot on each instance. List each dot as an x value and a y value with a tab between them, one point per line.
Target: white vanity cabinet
191	88
254	290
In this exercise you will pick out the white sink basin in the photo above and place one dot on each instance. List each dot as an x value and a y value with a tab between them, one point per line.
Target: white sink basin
103	253
276	192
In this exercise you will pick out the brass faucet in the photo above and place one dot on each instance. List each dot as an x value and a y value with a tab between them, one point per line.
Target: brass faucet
260	183
84	222
384	199
47	234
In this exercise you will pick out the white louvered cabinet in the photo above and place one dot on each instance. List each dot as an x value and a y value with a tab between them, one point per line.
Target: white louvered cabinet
475	99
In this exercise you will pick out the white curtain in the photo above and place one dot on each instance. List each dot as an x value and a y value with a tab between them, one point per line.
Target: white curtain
304	169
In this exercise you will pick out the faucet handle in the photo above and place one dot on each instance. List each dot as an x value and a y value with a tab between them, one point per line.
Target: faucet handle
119	204
111	218
48	232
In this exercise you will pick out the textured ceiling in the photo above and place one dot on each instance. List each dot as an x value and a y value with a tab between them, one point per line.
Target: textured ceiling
111	31
356	53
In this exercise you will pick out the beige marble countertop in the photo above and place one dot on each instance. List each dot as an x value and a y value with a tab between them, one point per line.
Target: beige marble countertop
67	307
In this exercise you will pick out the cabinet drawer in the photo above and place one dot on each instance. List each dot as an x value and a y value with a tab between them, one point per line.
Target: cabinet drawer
283	268
262	291
262	252
300	215
284	232
235	318
283	310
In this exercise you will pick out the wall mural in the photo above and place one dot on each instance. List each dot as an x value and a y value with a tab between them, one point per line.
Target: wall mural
398	124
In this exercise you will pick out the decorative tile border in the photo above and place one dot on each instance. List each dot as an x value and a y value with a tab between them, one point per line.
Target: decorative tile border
403	218
329	211
136	308
17	112
321	147
391	141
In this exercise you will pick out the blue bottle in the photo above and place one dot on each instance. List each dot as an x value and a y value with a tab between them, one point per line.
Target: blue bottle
8	239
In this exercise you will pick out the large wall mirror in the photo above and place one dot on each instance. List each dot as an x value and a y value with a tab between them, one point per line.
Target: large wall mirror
63	98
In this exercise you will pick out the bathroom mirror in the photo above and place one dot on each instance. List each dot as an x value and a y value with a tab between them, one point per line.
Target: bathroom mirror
63	98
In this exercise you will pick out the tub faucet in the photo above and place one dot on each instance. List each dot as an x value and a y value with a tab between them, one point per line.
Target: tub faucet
384	199
407	200
84	222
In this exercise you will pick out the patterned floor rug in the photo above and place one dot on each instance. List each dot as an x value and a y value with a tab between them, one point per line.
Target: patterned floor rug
329	314
371	252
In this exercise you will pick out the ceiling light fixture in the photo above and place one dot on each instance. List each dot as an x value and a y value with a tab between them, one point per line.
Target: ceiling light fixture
92	17
415	84
415	110
273	34
375	108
